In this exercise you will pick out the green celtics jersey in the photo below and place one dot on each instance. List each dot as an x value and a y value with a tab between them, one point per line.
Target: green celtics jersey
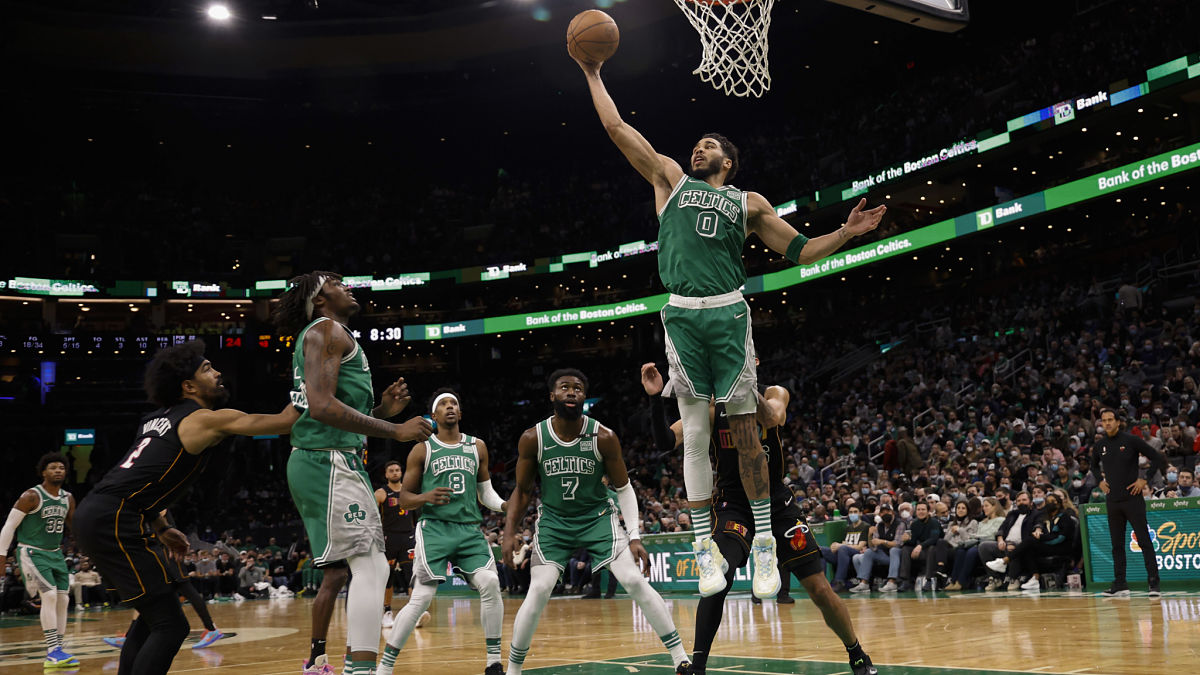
456	467
43	527
353	389
571	473
701	230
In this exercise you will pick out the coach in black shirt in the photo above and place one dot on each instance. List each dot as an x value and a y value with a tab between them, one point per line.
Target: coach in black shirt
1115	460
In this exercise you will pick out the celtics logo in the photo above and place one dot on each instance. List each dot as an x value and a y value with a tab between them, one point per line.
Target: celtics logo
355	512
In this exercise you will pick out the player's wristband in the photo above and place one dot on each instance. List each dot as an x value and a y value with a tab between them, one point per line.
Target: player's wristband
795	247
634	535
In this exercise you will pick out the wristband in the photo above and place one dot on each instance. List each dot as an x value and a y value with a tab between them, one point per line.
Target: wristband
795	247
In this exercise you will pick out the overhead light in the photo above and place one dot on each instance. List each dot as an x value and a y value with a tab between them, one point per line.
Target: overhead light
219	12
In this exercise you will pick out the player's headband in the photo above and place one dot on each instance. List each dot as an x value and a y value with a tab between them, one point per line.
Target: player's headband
308	302
433	408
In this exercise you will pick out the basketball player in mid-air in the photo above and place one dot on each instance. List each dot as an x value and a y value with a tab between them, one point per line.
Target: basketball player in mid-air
121	525
331	386
398	531
36	521
570	453
448	479
735	524
703	224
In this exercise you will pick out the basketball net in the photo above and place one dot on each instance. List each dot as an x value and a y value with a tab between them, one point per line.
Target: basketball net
733	34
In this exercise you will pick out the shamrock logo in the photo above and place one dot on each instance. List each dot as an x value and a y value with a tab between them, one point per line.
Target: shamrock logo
354	513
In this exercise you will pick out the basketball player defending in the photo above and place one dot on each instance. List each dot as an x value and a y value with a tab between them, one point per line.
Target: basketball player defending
331	386
37	521
735	525
120	523
397	537
703	223
570	453
448	478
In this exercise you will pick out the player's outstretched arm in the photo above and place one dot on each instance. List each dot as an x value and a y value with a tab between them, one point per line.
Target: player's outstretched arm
205	428
662	172
325	345
518	502
485	493
782	238
772	406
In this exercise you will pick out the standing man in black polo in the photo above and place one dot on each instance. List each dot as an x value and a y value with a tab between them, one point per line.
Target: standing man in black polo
1115	459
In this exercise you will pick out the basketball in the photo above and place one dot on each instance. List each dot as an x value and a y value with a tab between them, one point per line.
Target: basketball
592	36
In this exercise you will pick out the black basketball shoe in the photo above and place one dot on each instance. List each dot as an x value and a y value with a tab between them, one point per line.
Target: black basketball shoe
684	668
494	669
863	666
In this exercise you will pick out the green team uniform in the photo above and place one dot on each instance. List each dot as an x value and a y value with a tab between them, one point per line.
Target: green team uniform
577	511
39	542
448	535
325	469
710	349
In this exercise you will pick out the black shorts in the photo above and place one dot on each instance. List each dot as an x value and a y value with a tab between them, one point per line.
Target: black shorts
400	547
124	549
795	546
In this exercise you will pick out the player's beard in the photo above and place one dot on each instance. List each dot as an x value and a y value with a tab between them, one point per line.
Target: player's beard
218	397
566	413
707	169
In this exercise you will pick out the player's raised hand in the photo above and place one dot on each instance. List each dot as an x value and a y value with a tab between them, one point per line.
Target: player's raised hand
862	222
175	541
394	399
640	556
652	380
589	68
417	429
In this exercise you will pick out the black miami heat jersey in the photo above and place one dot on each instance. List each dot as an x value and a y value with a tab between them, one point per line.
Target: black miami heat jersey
157	469
397	520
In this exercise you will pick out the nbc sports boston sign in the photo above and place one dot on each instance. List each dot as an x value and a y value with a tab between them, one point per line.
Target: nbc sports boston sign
1174	525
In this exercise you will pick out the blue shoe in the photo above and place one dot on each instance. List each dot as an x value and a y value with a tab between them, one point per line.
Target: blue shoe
117	642
208	638
60	659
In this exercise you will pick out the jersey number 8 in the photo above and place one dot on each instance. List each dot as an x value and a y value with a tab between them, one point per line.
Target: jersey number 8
458	483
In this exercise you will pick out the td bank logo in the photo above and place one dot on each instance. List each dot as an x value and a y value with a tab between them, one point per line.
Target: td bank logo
433	332
984	219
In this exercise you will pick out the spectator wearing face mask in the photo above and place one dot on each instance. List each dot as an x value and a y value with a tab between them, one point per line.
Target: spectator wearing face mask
841	554
1187	487
1052	536
1170	486
920	546
1017	528
884	546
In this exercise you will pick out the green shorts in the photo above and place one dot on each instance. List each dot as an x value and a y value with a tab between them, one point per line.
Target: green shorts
710	349
443	546
44	571
334	496
556	538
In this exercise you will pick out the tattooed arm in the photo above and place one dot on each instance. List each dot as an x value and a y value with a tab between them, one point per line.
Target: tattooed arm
325	345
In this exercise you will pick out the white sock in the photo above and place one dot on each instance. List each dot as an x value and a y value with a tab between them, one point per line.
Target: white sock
626	571
364	600
49	617
406	621
64	601
491	612
541	583
697	469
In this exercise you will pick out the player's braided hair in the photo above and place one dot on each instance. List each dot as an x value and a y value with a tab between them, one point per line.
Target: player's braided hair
169	368
730	151
48	459
292	311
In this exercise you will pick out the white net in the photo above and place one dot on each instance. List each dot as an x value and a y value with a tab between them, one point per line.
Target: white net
733	34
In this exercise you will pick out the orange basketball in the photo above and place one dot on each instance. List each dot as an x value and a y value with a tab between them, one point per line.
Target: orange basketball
592	36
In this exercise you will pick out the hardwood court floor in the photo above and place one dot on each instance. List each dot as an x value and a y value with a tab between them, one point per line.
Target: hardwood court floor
945	634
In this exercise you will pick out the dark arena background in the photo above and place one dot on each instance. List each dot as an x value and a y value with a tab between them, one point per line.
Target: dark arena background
168	166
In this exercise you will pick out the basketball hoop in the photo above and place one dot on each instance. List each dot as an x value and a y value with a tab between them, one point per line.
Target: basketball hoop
733	34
